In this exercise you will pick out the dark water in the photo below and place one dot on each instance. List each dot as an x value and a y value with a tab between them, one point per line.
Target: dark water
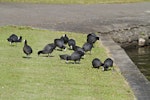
141	57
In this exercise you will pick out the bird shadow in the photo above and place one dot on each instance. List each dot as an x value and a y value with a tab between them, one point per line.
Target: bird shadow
70	49
59	49
82	58
107	70
12	45
47	56
88	53
72	63
26	57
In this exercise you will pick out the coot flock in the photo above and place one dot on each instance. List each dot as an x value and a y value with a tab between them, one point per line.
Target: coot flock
61	44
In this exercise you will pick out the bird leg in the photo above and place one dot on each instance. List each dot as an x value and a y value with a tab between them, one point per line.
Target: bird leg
67	61
16	44
102	68
90	52
27	56
113	69
10	43
77	62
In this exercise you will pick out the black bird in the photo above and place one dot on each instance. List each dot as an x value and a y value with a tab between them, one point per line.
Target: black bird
60	43
87	47
92	38
107	63
75	56
96	63
27	49
71	43
65	38
48	49
64	56
77	48
14	38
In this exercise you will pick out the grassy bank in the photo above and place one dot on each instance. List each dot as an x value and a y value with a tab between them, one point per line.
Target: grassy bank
74	1
49	78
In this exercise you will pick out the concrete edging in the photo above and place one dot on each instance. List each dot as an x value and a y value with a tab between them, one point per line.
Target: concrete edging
136	80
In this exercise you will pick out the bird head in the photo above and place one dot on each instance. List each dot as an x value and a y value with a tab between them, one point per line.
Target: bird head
39	52
104	67
20	38
25	41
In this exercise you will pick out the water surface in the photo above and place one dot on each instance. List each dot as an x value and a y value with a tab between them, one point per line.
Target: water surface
141	57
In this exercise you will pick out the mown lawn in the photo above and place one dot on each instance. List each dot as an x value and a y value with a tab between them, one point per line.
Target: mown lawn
49	78
74	1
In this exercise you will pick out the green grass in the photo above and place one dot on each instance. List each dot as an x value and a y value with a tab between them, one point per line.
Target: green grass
74	1
43	78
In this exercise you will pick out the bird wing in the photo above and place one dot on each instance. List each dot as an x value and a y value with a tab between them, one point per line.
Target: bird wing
27	49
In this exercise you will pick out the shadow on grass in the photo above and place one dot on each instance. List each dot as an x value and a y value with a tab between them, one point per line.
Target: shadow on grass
13	45
47	56
26	57
59	49
72	62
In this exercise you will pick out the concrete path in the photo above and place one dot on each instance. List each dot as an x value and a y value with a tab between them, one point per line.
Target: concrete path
86	19
76	18
137	81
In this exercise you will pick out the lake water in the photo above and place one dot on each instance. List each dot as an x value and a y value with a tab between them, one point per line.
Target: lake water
141	57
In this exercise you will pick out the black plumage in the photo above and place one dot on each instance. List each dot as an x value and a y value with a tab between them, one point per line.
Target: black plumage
75	56
60	44
71	43
14	38
63	56
77	48
92	38
65	38
87	47
96	63
48	49
107	63
27	49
